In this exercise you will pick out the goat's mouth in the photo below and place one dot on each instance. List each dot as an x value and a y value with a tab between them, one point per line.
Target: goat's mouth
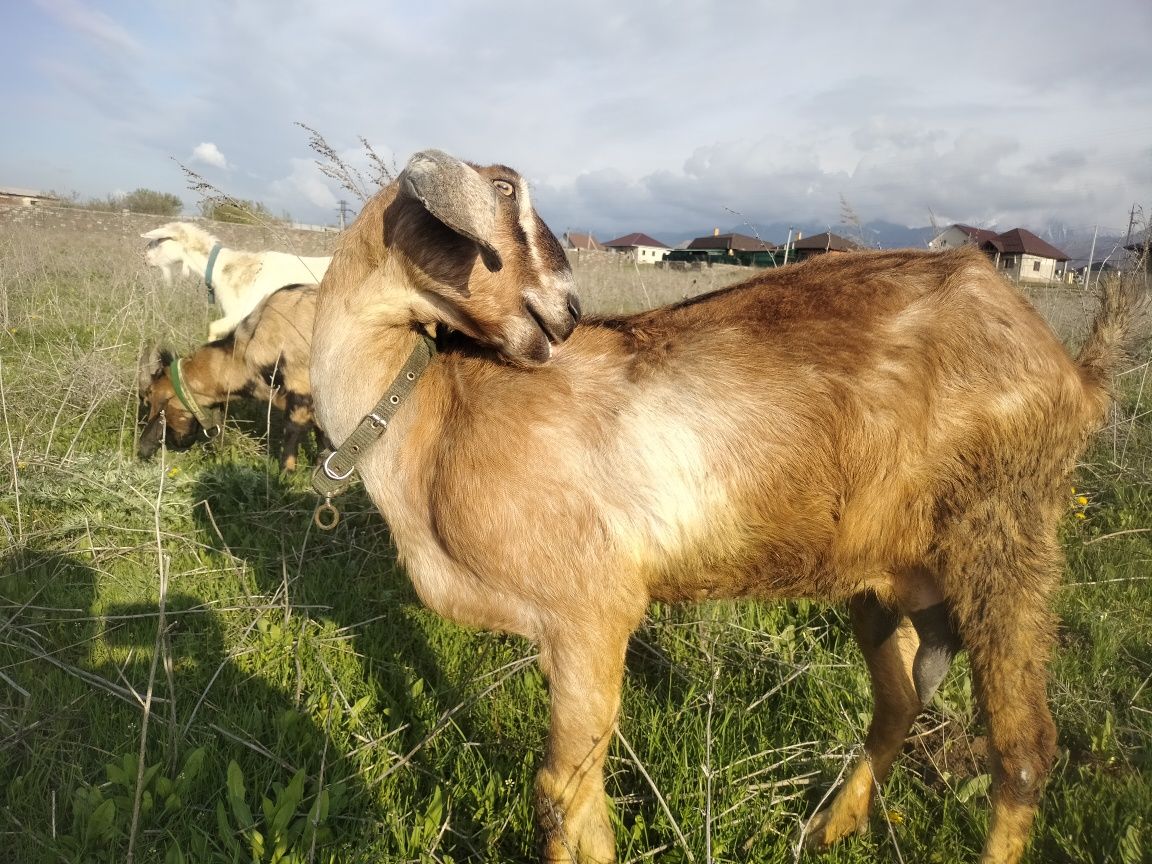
157	432
550	338
557	326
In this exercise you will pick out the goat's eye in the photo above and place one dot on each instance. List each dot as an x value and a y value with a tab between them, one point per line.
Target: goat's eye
504	188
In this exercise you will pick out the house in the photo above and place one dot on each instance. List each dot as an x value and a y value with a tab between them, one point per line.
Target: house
581	242
1018	253
25	197
639	247
729	243
739	249
1140	256
819	244
960	235
1024	257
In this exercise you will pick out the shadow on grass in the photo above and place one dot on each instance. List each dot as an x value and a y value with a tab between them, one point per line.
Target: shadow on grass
76	671
348	583
348	576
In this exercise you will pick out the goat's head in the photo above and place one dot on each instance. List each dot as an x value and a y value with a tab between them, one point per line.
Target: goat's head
161	250
473	247
164	417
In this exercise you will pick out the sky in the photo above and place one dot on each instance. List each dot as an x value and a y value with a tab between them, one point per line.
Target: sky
661	117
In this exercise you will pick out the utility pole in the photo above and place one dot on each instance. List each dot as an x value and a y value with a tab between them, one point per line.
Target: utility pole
1091	260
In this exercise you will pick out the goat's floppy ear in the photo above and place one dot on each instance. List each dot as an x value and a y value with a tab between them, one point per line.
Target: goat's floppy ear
153	362
156	234
149	368
457	195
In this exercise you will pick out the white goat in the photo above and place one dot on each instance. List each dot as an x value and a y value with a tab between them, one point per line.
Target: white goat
237	280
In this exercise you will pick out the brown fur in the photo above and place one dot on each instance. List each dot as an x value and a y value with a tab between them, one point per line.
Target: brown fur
890	429
265	358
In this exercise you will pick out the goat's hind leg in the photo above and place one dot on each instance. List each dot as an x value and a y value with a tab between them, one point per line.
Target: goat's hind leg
907	658
1007	627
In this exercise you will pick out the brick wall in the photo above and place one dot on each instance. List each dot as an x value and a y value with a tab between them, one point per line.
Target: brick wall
253	238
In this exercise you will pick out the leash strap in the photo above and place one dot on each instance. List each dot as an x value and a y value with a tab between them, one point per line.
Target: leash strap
208	273
176	375
334	473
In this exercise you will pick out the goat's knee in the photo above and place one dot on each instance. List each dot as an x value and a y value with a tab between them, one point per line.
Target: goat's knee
938	645
1022	769
573	822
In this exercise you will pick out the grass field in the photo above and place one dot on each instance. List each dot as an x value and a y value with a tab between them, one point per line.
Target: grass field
190	672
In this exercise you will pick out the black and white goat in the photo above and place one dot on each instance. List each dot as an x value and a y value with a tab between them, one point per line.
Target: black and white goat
265	358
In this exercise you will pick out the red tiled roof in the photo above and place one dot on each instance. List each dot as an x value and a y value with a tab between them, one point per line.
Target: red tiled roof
980	235
580	240
1022	241
634	239
739	242
825	242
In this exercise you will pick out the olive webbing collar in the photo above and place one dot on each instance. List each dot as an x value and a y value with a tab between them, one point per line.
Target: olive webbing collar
334	473
208	272
176	376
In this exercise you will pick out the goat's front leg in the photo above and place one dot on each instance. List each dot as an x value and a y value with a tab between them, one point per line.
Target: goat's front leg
220	328
297	421
585	668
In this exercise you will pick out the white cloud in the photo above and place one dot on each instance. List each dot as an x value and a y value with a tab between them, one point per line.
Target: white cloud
208	153
632	121
93	24
304	182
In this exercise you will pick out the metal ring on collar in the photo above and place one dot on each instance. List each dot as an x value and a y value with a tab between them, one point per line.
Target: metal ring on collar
326	516
332	475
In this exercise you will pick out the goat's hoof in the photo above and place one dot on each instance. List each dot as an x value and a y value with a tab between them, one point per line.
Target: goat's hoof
829	826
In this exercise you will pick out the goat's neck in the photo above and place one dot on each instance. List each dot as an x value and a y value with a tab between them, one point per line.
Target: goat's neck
197	261
359	353
357	372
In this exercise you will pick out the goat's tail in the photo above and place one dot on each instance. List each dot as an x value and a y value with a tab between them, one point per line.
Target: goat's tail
1109	342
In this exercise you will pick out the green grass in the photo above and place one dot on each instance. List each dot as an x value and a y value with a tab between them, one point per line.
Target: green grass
305	707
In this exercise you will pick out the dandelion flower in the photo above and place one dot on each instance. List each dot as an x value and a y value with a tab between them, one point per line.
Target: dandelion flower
1082	500
1081	516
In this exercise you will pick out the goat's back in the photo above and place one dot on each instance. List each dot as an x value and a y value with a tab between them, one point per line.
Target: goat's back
781	437
277	335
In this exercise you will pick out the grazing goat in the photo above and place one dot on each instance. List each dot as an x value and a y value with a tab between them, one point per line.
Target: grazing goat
892	430
238	280
265	357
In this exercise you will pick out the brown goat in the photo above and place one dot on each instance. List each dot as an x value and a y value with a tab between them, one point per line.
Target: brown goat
265	357
892	430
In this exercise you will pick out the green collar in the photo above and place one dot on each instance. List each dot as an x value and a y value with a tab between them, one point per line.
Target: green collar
208	273
176	375
334	473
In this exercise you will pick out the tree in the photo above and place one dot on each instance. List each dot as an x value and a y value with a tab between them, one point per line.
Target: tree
152	202
235	210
